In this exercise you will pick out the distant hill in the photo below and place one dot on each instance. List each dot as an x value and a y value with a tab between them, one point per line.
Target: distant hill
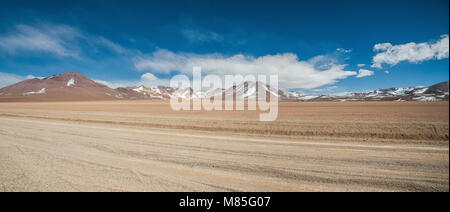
74	86
437	92
69	86
142	92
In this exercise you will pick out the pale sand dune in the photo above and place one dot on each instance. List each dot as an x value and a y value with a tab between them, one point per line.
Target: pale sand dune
142	146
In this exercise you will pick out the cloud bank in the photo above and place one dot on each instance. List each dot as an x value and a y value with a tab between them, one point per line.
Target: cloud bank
292	72
411	52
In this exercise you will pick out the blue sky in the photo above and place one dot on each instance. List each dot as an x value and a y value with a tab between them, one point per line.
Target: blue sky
314	45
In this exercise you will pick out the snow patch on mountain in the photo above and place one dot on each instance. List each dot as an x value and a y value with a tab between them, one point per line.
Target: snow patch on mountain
156	89
71	82
42	91
426	99
420	91
400	91
270	91
249	92
308	97
139	89
182	94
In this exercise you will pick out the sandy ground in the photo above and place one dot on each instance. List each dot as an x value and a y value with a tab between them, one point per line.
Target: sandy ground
144	146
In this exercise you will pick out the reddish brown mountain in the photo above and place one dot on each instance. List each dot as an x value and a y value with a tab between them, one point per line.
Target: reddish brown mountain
77	87
69	86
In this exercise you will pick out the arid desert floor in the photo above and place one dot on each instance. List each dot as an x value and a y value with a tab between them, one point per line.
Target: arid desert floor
145	146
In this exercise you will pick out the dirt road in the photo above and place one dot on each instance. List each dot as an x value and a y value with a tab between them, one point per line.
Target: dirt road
41	152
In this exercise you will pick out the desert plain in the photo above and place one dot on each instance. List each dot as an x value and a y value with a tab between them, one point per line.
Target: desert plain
143	145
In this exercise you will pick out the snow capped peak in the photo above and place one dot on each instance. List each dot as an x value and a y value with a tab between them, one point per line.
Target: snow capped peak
139	89
156	89
71	82
401	91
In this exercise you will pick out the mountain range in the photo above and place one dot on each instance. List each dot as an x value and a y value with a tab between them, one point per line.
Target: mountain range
73	86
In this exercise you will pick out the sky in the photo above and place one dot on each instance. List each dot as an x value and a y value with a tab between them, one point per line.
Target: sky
322	46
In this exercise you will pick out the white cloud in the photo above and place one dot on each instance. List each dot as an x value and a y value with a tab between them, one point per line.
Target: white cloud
327	89
194	33
7	79
115	84
197	35
342	50
364	73
292	73
387	72
361	65
382	46
324	62
411	52
332	87
57	39
147	79
111	45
